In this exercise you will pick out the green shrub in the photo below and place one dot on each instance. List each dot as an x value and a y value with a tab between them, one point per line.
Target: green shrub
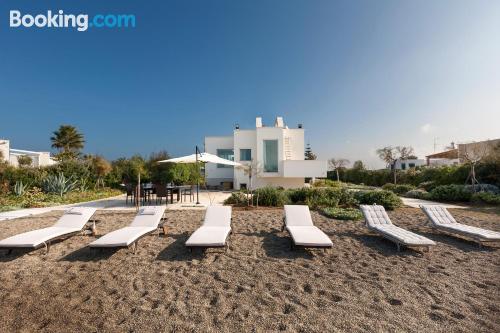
486	197
343	213
59	184
389	187
20	188
237	199
398	189
322	197
417	194
327	183
427	185
270	196
387	199
450	193
482	188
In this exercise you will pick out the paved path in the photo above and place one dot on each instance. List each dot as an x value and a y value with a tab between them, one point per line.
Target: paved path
415	203
118	203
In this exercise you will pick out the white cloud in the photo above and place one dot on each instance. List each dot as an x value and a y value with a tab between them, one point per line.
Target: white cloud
426	128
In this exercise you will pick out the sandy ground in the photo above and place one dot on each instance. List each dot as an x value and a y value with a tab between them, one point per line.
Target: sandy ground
259	285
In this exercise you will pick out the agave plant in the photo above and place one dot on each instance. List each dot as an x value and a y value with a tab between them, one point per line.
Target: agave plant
59	184
83	184
20	188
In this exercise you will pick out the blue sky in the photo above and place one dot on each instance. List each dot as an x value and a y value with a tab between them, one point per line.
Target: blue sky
358	74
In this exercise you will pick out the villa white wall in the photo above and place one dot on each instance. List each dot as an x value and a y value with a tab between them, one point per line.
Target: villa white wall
296	137
213	174
5	148
253	139
243	139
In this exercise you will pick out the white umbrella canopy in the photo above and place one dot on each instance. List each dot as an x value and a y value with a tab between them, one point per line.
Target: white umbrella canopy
202	157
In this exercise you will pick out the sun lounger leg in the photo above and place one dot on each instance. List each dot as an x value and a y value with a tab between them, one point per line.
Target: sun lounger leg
399	247
134	247
47	247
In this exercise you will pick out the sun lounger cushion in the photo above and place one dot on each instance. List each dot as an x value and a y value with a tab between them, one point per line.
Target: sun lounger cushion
377	220
36	237
297	215
122	237
67	224
440	217
208	236
148	219
215	228
403	236
73	220
140	226
218	216
309	236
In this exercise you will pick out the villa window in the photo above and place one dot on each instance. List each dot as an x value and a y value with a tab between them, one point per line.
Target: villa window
411	165
227	154
270	155
403	166
245	154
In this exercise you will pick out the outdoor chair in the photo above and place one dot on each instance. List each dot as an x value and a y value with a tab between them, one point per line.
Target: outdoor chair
378	221
188	192
74	221
161	192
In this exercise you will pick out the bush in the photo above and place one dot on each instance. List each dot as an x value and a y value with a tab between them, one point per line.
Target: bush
428	185
417	194
450	193
482	188
270	196
327	183
486	197
237	199
352	214
387	199
322	197
398	189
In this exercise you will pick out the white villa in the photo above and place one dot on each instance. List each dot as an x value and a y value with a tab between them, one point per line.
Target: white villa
11	155
275	152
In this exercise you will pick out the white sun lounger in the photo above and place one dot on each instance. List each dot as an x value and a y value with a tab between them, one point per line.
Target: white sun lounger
300	226
441	219
214	230
71	223
145	222
377	220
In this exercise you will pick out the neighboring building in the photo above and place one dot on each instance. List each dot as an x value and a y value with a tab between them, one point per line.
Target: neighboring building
11	155
276	153
409	164
458	155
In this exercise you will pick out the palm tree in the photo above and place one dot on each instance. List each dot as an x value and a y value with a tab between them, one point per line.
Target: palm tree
68	141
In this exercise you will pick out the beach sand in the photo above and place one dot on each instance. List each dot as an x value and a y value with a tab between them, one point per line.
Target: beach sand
259	285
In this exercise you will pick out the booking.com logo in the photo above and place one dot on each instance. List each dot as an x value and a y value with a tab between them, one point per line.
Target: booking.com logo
61	20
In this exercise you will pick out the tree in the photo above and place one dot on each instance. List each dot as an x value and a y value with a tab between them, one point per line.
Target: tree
159	171
336	164
68	141
472	155
358	165
24	161
101	168
391	155
251	169
309	155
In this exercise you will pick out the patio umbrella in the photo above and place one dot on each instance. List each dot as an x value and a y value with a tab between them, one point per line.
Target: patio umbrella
200	157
